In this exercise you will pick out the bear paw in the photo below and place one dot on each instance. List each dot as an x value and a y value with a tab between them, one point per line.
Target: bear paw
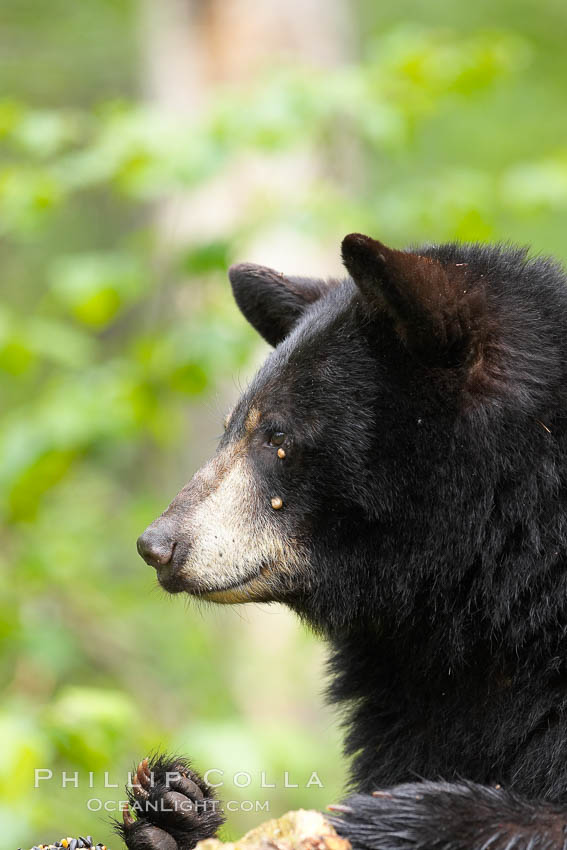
449	816
174	808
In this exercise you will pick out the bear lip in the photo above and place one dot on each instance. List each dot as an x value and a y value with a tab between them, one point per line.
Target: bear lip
172	582
233	585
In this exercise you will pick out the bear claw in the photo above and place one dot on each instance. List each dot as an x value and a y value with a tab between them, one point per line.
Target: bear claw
127	817
142	780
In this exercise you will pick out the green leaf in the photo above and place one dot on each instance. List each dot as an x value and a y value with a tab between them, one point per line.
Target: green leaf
94	287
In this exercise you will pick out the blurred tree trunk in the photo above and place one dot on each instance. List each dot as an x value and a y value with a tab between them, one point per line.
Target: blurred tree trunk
194	45
191	46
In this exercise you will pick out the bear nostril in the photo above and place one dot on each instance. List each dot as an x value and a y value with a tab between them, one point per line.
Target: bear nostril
155	549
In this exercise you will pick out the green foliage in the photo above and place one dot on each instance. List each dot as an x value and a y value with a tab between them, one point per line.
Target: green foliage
115	339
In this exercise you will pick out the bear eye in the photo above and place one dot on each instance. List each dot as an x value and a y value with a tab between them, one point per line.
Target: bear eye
277	438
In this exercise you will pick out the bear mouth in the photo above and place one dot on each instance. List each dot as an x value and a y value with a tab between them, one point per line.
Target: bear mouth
240	590
175	582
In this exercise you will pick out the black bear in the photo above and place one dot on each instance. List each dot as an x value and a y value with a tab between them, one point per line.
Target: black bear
396	474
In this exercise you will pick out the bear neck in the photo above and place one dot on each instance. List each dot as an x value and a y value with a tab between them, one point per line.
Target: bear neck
413	710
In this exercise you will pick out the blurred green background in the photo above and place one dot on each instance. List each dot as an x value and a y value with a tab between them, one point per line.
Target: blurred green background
144	147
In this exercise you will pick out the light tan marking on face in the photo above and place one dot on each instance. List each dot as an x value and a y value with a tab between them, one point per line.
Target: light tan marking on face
252	420
234	535
253	591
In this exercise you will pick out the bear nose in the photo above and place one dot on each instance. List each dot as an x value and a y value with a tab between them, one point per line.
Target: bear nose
155	548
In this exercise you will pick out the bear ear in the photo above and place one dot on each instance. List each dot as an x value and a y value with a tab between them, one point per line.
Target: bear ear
435	313
270	301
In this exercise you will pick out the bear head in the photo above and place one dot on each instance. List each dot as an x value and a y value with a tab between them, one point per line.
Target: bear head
400	452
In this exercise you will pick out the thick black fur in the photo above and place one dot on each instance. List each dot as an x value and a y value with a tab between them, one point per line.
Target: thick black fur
425	403
452	816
